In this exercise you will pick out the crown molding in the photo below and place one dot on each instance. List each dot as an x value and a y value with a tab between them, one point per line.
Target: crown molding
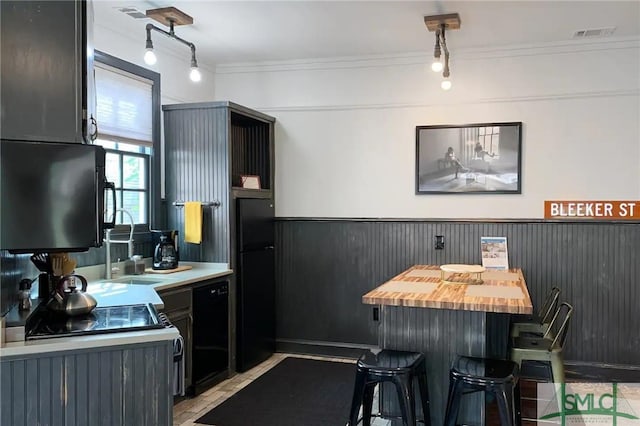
555	48
421	58
453	102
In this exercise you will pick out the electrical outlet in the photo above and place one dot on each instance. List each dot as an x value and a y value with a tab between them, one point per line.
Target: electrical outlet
439	242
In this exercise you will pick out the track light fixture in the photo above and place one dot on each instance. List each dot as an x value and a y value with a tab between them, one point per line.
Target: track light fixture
170	16
439	24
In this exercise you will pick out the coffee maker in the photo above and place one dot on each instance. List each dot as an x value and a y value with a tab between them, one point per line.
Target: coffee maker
166	253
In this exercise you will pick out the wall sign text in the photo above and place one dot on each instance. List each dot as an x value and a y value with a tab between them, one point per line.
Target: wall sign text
607	210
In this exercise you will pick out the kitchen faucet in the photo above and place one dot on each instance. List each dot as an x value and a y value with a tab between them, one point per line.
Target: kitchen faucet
108	241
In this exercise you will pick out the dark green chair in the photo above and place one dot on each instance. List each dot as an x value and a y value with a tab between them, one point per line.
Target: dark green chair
538	324
547	348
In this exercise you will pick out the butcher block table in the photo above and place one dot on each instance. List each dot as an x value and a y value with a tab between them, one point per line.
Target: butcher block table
443	315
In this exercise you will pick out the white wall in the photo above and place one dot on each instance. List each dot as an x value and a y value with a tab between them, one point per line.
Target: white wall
345	134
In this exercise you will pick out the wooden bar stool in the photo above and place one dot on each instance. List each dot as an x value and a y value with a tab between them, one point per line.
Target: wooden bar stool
499	377
399	367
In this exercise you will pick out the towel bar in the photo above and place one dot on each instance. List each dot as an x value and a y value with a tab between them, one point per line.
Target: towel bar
204	204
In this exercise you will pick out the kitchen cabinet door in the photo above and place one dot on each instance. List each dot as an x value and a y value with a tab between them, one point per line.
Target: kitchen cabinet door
44	68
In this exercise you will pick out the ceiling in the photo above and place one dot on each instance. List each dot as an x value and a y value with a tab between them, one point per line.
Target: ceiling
262	31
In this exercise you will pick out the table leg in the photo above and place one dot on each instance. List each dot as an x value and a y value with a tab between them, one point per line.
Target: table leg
443	334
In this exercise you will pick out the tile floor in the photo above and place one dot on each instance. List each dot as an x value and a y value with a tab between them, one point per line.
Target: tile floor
186	412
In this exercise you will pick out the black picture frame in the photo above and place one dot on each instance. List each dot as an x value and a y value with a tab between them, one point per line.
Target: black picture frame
479	158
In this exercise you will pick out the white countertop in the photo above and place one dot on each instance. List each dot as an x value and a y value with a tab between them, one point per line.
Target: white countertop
110	293
118	294
200	271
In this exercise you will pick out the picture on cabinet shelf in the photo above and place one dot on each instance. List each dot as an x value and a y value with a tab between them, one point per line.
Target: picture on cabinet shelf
250	181
473	158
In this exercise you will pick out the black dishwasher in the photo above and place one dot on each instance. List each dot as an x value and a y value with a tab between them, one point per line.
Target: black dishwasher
210	334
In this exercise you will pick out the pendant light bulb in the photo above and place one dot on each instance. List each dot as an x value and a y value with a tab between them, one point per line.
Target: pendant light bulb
195	75
436	65
445	84
150	57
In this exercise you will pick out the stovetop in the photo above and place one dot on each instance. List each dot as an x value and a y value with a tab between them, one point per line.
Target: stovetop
46	324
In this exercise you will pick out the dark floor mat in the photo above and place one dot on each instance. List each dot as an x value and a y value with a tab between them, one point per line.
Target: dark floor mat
296	392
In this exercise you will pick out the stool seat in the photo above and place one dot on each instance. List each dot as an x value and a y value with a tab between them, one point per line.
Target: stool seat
538	325
398	367
499	377
534	343
388	361
483	370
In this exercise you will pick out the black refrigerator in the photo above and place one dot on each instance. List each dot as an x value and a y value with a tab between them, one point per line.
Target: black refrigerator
255	298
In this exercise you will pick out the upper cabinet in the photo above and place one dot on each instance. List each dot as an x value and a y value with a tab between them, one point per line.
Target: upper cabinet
236	141
46	47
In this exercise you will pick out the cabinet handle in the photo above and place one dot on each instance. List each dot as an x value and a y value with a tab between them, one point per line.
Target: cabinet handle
189	327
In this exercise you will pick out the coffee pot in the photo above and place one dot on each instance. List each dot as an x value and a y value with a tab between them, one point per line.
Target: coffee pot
66	299
165	256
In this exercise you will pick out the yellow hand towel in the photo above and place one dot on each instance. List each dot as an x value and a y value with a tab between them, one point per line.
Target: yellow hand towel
193	222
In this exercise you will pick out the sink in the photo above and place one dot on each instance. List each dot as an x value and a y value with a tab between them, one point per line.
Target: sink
131	280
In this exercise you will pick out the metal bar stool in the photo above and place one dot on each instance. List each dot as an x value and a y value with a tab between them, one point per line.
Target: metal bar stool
548	347
539	323
399	367
499	377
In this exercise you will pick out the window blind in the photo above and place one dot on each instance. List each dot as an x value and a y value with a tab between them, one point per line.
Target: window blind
124	106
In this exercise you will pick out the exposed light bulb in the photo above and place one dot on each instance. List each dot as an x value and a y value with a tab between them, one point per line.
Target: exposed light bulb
436	65
445	84
150	57
194	75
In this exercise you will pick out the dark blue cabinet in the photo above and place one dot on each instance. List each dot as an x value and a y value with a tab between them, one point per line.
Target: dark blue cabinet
45	70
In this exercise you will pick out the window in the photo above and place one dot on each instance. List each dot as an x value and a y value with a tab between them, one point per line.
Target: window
489	139
125	114
127	166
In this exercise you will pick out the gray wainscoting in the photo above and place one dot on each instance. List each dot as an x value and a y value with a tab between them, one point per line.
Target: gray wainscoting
325	266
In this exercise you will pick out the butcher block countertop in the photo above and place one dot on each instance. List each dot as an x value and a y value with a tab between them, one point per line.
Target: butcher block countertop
421	286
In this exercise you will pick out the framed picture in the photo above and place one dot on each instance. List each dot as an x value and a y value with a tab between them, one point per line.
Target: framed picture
480	158
250	181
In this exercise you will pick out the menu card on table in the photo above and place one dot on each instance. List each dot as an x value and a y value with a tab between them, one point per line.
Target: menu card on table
494	252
